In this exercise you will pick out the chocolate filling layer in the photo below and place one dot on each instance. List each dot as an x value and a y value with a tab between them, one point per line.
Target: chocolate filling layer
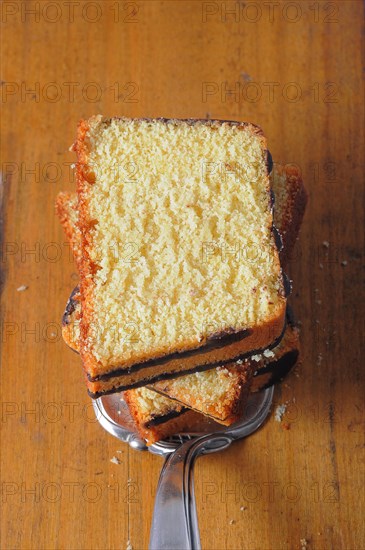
215	341
165	418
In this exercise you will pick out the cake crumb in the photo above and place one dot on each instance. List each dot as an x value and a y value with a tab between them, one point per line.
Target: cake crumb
243	508
115	460
279	412
22	288
285	426
344	263
256	358
245	77
325	244
129	545
231	521
303	544
320	266
223	370
268	353
319	359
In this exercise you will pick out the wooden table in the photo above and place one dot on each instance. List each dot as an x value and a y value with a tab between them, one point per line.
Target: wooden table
295	69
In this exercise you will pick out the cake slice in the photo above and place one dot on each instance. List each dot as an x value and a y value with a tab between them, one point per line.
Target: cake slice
159	418
176	211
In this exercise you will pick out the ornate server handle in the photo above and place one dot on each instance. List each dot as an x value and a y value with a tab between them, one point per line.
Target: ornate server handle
175	522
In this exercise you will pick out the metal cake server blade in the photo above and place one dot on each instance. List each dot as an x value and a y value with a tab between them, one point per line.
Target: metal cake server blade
175	523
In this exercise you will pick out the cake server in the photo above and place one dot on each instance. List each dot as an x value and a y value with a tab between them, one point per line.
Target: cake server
175	523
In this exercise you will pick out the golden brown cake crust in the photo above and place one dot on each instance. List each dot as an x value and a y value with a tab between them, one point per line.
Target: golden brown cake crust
259	338
86	266
66	205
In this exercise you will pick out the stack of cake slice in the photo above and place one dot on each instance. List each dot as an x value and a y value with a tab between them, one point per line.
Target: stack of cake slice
180	279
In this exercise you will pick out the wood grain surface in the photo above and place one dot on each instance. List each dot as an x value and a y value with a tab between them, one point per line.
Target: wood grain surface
295	69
